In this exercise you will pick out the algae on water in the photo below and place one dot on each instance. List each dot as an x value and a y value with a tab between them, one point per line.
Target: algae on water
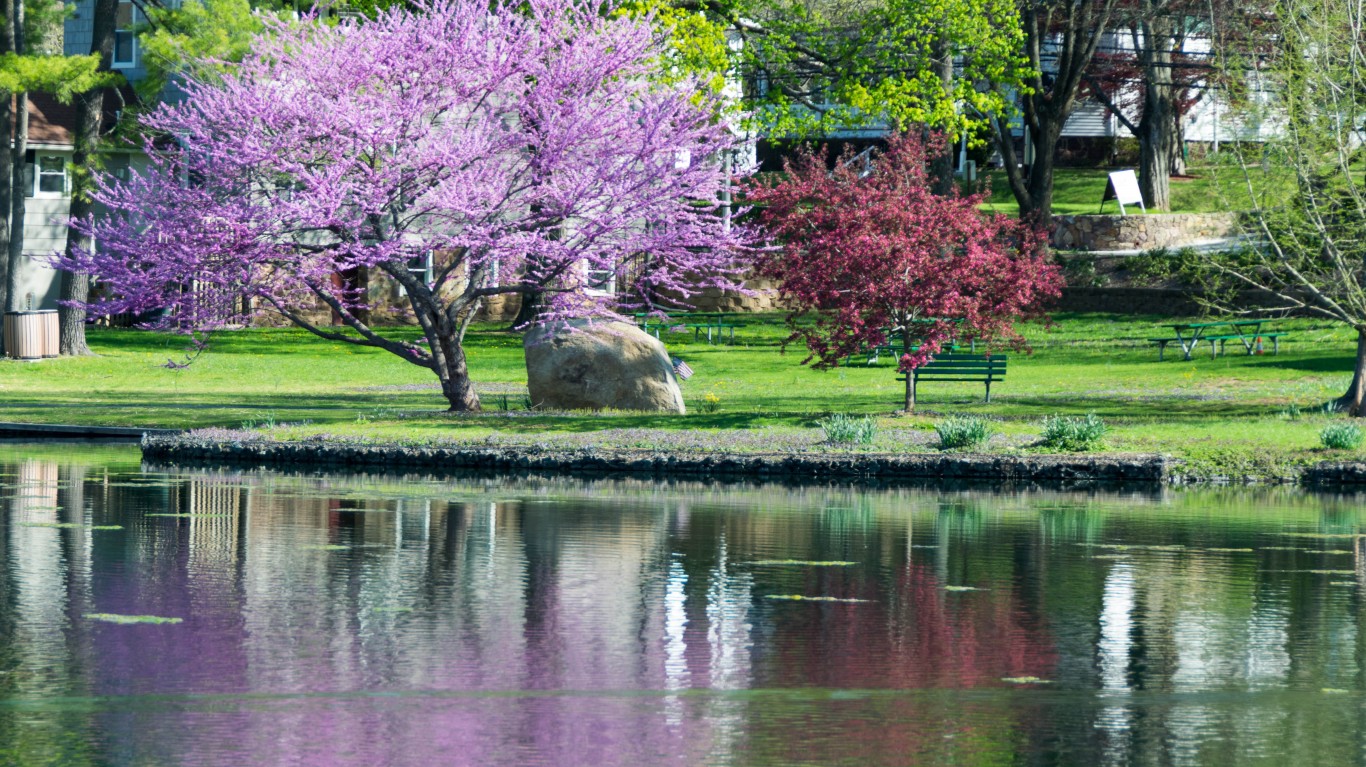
804	562
801	598
130	619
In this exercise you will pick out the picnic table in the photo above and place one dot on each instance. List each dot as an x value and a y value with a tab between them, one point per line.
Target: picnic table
715	323
1250	333
895	343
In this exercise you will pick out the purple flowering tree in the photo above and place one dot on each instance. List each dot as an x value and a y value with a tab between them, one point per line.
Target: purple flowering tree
524	147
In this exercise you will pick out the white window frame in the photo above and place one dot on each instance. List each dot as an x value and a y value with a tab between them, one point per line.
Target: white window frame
38	174
423	274
132	61
599	282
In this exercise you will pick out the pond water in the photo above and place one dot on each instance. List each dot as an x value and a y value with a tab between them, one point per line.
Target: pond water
381	620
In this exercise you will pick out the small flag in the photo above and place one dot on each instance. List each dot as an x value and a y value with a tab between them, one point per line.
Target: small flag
681	368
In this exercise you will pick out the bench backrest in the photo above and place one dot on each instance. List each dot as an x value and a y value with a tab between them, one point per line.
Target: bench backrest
984	366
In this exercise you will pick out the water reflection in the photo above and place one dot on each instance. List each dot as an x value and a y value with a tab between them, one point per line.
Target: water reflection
369	620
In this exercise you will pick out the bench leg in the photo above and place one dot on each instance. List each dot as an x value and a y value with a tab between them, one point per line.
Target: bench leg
1275	346
1161	349
988	390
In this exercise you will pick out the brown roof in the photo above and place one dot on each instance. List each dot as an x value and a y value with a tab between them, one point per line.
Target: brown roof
52	122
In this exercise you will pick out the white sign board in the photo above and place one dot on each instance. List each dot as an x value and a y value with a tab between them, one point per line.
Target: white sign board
1123	188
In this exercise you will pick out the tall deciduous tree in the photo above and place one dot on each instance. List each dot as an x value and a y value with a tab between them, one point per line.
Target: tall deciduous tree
1168	66
815	67
1310	252
378	144
75	286
1061	38
864	256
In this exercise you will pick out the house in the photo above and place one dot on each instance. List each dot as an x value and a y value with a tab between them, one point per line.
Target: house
51	139
47	185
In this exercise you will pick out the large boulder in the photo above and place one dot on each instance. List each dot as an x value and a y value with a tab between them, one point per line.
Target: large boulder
582	366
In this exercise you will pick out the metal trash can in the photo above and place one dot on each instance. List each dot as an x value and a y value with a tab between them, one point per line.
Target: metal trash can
31	335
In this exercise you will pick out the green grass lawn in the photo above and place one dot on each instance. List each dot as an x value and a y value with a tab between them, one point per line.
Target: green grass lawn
1234	414
1207	189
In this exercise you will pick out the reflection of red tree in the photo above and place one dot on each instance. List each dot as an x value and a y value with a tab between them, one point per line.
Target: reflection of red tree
919	637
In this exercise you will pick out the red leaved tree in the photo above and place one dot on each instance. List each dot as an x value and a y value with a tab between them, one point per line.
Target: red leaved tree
868	254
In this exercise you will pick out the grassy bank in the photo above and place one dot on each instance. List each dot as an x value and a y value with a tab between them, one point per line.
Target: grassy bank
1235	415
1206	189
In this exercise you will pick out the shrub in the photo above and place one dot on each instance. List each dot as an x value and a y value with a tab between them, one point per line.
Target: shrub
843	429
1080	271
1341	436
1063	433
1160	266
958	432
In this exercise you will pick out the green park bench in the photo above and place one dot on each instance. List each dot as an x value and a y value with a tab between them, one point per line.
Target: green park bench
981	368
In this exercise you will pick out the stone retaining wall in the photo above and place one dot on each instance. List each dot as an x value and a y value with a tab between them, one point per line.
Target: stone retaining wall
814	467
764	298
1140	232
922	469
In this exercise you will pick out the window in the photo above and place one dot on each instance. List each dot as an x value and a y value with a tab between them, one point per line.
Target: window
118	166
600	281
51	176
125	40
420	267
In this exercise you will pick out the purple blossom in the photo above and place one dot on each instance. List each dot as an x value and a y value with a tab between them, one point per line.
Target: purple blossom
523	146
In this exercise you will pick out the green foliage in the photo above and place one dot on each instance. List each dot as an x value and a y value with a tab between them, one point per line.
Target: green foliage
199	37
842	429
1162	265
694	44
62	76
1304	181
1341	436
962	432
843	64
1072	433
43	26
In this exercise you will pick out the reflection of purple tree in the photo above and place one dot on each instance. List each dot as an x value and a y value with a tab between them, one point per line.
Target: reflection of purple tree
202	656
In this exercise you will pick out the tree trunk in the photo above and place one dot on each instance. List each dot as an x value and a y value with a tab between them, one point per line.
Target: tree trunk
18	195
910	374
1351	402
454	373
1040	185
18	202
76	286
1177	144
530	309
6	138
941	165
1155	129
